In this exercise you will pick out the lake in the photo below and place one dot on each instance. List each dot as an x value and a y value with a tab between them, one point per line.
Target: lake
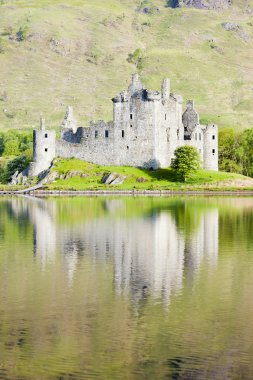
126	288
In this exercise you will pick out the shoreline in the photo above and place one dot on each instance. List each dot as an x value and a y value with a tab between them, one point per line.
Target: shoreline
41	193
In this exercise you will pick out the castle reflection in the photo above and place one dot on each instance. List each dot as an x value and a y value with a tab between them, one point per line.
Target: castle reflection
152	251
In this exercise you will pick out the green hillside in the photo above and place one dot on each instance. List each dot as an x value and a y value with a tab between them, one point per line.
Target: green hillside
54	53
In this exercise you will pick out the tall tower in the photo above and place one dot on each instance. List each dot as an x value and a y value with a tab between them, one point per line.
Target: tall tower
166	89
211	147
43	149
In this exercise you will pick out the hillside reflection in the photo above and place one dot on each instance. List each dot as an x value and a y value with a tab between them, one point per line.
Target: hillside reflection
152	249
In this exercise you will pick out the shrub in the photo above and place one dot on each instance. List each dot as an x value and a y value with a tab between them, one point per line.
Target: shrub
136	58
23	33
186	161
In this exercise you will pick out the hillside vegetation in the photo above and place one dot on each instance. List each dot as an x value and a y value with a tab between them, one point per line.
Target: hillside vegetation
82	52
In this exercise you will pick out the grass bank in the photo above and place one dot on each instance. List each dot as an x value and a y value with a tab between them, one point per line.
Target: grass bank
77	175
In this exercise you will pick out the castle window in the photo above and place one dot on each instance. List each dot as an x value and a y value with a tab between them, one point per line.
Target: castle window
213	151
106	133
196	136
131	116
165	117
185	129
123	134
45	135
213	137
200	136
96	134
127	147
131	125
46	149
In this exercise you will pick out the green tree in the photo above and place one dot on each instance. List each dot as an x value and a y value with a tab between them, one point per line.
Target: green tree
230	151
17	164
136	58
247	152
11	147
186	161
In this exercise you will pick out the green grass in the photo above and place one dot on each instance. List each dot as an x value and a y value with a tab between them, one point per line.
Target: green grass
76	53
163	179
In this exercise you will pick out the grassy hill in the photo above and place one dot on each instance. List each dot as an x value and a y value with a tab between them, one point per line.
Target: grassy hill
54	53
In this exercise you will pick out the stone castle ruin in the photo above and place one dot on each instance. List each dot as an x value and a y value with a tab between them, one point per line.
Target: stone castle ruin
146	129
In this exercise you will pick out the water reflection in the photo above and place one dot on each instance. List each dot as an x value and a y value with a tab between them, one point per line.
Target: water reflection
151	252
85	281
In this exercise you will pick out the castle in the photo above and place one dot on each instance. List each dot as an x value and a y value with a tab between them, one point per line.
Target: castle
146	129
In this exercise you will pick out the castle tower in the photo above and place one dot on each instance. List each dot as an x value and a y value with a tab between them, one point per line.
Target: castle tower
69	121
211	147
166	89
136	118
136	84
43	149
190	119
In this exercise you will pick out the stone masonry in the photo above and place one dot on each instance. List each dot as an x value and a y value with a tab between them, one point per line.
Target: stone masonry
146	129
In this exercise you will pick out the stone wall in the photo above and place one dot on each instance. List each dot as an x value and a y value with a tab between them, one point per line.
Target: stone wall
96	145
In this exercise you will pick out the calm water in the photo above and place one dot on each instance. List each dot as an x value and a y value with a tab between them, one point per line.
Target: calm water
126	288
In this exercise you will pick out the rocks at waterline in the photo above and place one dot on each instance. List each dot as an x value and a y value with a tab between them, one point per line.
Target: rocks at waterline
113	179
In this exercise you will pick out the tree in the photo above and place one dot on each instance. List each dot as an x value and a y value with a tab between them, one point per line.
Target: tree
230	151
186	161
247	152
17	164
11	148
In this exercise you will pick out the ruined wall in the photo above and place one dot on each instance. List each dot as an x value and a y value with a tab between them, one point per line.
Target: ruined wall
96	145
71	136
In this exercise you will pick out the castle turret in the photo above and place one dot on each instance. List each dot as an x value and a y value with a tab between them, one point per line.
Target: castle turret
190	119
69	121
211	147
136	84
42	123
43	149
165	89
